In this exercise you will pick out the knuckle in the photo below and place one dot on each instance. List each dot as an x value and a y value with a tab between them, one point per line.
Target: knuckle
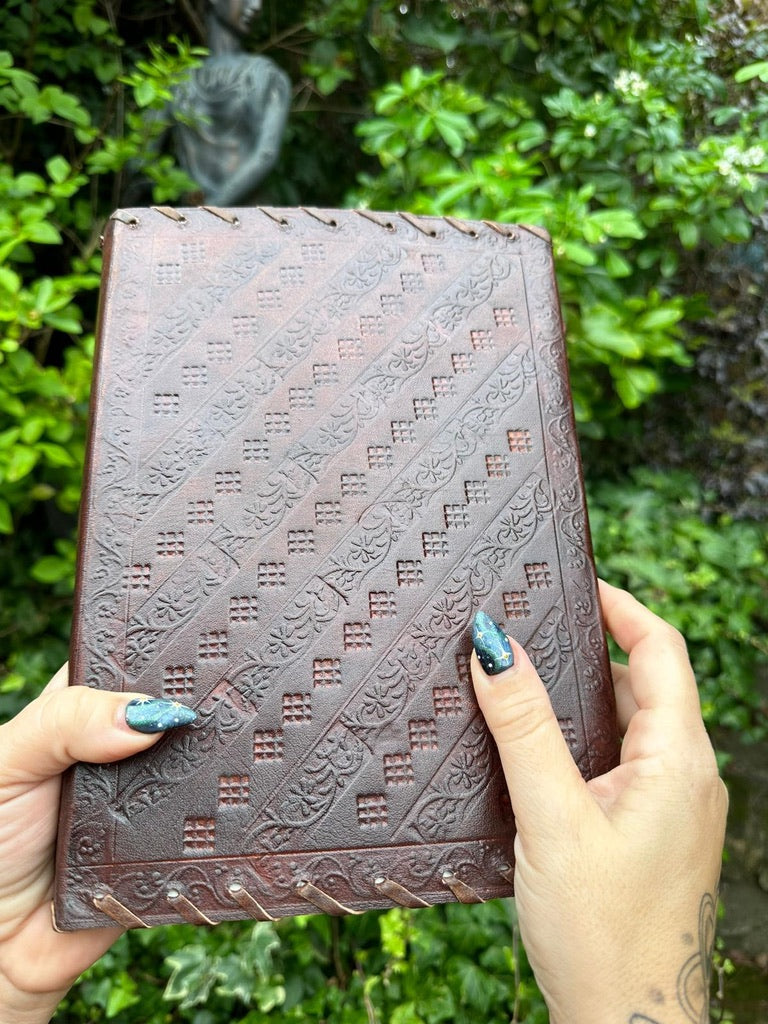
519	717
677	641
66	713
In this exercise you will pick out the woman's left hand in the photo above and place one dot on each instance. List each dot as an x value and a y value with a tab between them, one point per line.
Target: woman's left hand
63	725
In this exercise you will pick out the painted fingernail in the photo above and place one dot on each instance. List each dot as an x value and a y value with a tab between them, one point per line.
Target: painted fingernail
154	714
491	645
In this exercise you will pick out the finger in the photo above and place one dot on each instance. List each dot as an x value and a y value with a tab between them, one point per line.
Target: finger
545	785
60	681
660	672
73	724
626	705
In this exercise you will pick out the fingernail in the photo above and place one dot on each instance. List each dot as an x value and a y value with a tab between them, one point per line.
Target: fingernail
491	645
154	714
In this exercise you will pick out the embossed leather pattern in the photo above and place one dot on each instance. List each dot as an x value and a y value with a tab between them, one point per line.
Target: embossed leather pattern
320	440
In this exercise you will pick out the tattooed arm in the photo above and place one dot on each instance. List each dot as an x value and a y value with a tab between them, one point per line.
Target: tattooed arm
616	878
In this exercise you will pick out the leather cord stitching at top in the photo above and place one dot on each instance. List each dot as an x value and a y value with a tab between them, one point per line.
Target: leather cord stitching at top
170	213
319	215
386	224
225	215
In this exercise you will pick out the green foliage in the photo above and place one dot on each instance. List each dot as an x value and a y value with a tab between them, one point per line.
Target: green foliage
708	579
460	964
629	168
636	133
243	974
50	211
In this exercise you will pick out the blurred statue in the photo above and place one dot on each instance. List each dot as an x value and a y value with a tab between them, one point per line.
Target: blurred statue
231	112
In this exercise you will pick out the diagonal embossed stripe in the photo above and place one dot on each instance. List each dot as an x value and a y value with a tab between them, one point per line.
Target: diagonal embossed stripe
476	286
286	346
365	400
410	661
271	660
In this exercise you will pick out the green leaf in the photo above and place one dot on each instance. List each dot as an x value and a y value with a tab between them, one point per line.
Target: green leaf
145	92
757	70
122	995
635	384
32	429
688	231
616	265
9	280
6	519
51	569
43	232
617	223
65	322
604	329
578	253
55	455
21	463
475	990
193	974
659	319
10	436
406	1013
58	169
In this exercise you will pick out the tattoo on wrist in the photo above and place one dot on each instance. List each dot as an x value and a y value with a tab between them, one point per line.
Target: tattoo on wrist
694	978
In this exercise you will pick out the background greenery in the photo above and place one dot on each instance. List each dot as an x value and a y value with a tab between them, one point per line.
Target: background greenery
637	134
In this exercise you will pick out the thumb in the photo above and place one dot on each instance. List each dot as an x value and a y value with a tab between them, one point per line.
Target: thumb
545	786
76	723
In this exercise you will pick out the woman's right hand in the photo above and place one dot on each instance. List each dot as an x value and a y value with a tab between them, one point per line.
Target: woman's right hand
615	879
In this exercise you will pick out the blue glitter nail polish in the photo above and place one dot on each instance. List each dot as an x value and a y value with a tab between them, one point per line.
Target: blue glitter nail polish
154	714
493	650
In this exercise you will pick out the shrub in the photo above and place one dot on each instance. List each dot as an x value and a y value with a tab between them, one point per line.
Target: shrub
635	169
707	578
459	964
51	206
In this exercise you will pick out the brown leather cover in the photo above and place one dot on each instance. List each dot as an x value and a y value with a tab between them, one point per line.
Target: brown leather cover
320	440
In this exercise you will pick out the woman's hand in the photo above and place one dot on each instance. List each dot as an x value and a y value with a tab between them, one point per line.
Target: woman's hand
615	879
63	725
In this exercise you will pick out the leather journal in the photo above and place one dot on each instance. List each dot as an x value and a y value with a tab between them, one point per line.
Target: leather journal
320	440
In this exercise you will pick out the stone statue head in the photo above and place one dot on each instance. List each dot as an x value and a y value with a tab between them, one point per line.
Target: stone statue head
235	15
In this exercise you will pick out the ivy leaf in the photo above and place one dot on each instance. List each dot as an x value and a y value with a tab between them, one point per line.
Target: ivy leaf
475	990
406	1013
262	945
192	977
235	978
